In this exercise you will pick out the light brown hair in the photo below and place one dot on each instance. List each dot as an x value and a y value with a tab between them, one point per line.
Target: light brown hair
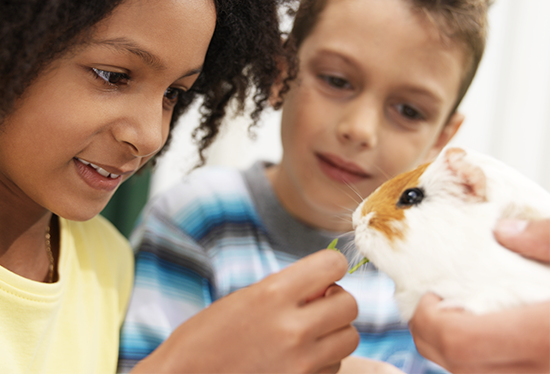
462	21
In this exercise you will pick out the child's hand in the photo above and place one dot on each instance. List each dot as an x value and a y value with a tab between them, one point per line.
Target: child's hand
293	321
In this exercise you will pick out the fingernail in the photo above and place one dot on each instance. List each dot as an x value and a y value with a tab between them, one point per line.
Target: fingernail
511	227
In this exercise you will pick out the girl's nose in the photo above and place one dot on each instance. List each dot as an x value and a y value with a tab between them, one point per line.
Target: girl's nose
359	126
142	128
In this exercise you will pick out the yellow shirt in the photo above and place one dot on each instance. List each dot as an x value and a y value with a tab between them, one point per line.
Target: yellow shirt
71	326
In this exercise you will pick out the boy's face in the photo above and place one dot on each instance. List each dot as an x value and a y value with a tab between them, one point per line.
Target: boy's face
373	97
108	104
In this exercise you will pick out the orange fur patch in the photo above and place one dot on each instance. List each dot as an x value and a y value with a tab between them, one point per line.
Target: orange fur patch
383	202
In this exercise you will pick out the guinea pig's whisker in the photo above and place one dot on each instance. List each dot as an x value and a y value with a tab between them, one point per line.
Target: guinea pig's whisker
346	234
339	218
351	187
345	215
344	219
351	210
352	197
386	175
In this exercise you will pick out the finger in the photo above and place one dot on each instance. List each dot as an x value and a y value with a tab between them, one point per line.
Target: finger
531	239
424	315
431	326
311	275
421	326
332	290
450	337
428	349
324	292
337	345
330	313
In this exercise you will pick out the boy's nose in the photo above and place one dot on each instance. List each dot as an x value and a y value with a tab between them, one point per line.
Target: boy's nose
359	126
142	128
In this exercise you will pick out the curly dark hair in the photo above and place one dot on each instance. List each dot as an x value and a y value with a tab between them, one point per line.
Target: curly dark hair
244	55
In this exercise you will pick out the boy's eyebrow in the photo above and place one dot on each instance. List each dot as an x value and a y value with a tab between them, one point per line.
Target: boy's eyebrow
414	89
433	95
147	57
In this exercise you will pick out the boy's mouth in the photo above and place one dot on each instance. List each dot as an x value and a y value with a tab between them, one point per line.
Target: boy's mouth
340	170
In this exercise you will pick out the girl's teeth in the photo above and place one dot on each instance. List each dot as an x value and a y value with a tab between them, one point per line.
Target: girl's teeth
101	171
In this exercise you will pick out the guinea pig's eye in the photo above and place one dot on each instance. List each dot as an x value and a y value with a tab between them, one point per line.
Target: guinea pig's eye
411	196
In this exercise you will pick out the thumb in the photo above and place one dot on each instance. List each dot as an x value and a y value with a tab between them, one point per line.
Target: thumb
528	238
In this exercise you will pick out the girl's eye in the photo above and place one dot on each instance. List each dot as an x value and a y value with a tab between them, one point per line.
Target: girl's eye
409	112
172	95
112	78
337	82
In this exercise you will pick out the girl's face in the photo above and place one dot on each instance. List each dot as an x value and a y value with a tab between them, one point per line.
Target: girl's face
376	85
97	115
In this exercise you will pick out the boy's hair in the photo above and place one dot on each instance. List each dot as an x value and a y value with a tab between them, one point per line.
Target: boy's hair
244	52
464	21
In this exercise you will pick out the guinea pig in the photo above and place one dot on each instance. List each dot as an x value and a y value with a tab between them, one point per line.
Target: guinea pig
431	230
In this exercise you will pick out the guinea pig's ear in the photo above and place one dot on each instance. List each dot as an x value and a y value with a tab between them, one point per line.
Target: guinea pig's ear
471	178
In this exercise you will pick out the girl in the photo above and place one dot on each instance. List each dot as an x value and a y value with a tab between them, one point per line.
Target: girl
90	90
376	94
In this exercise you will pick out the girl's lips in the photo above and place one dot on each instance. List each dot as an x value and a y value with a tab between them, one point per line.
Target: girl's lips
339	170
96	177
101	171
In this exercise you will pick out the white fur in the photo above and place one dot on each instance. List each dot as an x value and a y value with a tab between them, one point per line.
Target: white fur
449	247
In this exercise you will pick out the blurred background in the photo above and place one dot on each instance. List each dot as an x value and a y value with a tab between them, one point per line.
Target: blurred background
507	113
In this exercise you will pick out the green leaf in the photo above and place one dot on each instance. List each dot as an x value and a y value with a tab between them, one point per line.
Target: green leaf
332	245
362	262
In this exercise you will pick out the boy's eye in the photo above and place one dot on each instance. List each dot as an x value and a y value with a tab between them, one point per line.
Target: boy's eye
409	112
172	95
336	82
112	78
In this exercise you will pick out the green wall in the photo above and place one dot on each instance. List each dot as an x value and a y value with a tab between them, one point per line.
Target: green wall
127	202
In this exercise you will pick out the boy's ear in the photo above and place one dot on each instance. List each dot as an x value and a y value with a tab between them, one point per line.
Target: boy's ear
274	98
447	133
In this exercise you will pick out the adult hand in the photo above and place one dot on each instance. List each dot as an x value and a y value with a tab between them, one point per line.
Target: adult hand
296	321
530	239
512	341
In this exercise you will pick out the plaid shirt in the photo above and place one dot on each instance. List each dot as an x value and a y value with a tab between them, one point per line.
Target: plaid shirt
222	229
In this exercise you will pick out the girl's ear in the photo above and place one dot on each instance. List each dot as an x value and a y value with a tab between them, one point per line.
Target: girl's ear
447	133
